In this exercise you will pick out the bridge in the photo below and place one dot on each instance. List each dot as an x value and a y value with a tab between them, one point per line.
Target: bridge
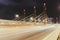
31	27
41	32
29	30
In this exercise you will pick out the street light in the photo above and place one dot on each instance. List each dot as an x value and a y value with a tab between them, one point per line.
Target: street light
17	16
31	18
24	14
35	14
44	4
45	13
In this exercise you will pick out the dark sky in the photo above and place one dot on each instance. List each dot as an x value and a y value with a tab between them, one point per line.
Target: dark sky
9	7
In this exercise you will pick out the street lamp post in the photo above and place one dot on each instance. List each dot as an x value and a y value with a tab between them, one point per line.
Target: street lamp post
24	15
45	15
16	16
34	11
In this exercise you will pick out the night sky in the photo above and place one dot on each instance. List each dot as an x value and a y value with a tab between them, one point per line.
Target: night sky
8	8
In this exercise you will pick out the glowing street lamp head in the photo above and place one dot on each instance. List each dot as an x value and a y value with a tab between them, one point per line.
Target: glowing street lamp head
17	16
34	7
44	4
24	10
31	18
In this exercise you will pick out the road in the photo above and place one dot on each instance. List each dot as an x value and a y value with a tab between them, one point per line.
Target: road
58	27
25	33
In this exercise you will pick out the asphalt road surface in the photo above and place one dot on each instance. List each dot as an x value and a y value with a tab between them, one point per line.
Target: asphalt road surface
25	33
